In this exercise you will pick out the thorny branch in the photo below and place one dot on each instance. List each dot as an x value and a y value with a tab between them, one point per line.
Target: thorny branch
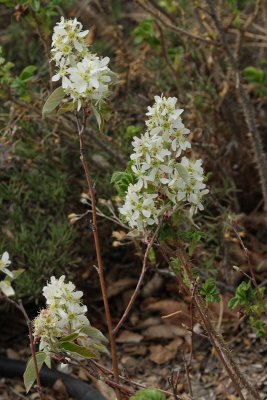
227	359
245	102
252	276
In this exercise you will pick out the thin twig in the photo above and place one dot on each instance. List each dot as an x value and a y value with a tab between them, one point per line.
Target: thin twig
188	376
116	386
81	128
192	323
169	24
126	379
242	31
166	56
18	304
173	383
140	280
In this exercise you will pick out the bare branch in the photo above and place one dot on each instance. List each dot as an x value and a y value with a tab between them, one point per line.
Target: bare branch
169	24
245	102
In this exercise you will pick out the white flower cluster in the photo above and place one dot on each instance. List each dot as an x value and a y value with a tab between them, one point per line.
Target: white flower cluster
163	182
65	314
85	77
5	285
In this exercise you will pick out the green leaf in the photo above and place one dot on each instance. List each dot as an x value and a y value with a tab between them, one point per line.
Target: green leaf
17	272
48	361
80	350
6	288
69	338
99	119
101	348
35	5
67	107
254	75
94	333
152	256
122	180
232	303
27	73
53	100
245	296
148	394
145	33
175	265
134	233
210	292
29	375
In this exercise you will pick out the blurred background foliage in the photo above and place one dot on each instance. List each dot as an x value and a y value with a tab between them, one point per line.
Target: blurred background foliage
40	172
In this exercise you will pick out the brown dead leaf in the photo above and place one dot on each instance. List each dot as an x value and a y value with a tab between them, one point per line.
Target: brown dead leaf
129	337
106	390
151	321
12	354
6	231
174	344
152	286
160	355
129	362
177	311
120	286
90	36
135	349
60	388
82	373
164	332
19	388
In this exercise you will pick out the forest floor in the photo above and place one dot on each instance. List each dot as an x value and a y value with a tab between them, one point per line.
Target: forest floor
155	343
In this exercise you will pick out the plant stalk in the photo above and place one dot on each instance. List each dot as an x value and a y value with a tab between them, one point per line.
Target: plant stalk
91	189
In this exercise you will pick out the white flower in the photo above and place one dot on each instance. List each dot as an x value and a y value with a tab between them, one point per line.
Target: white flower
68	40
64	313
187	184
4	263
163	183
165	119
45	325
140	209
57	292
85	76
89	79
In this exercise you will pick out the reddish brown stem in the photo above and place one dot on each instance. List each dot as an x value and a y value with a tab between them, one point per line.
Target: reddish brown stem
91	190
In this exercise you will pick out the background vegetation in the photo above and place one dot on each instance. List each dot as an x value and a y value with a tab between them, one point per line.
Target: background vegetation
155	46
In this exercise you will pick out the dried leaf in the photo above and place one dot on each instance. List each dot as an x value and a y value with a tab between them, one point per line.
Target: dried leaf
129	337
161	355
164	332
120	286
